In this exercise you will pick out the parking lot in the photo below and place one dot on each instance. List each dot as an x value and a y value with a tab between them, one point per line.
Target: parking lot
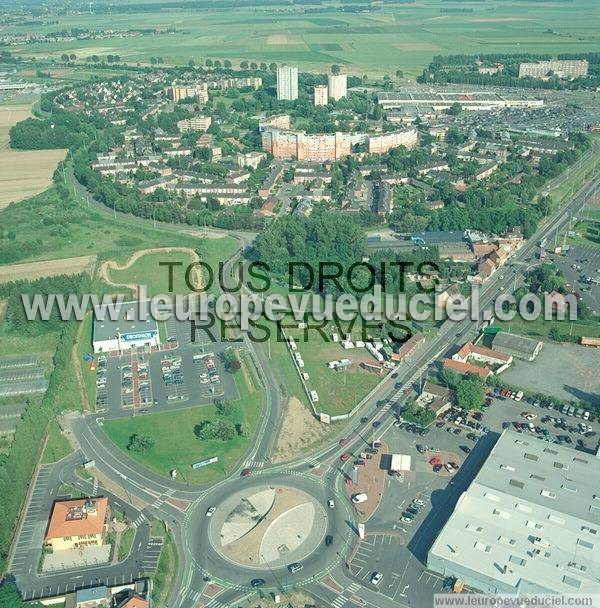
581	268
562	371
182	373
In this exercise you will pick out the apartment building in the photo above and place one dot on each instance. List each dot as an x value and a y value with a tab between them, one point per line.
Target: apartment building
379	144
337	85
320	95
196	123
199	91
562	69
287	83
303	146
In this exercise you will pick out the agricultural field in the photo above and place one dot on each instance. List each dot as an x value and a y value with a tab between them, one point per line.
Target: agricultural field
405	36
34	270
23	173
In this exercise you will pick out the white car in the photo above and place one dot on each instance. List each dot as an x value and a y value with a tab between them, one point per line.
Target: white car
330	503
419	502
376	578
210	511
406	520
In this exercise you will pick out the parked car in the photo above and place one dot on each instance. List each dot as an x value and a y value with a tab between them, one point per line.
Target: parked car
376	578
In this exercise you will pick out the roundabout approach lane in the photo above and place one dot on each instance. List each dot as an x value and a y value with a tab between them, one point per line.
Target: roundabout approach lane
203	534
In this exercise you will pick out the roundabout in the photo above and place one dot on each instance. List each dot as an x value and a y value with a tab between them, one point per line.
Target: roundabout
263	524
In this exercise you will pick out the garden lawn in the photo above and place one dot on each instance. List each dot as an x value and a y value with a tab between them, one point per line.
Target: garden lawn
177	447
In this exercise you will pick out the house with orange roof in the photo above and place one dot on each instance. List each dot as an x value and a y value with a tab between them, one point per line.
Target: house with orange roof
482	354
75	524
467	368
134	601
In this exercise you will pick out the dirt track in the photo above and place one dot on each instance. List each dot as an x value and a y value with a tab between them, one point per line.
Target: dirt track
48	268
105	268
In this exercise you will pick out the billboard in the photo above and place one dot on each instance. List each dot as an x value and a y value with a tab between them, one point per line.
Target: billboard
203	463
139	335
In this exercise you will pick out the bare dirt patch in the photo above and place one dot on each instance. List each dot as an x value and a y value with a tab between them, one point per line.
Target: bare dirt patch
35	270
299	430
25	173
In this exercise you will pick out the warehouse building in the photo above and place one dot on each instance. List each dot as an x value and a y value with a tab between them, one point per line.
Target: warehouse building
528	523
126	333
520	347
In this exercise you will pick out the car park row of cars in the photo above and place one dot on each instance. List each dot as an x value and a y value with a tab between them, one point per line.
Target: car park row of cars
207	370
101	392
412	511
172	376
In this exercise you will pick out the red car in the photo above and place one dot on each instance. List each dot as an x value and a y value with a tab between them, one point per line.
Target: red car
245	473
344	457
343	441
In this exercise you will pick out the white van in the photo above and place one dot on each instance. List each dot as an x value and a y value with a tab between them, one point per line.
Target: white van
358	498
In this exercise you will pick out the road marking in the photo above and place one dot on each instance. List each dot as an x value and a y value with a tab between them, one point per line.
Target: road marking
139	521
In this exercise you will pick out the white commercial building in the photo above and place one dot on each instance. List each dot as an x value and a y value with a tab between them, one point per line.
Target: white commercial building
528	523
337	85
126	333
287	82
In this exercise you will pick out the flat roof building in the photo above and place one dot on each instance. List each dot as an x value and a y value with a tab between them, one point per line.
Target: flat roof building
517	346
125	333
320	95
337	85
528	523
573	68
287	82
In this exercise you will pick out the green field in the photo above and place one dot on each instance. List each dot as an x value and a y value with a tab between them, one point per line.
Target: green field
176	446
402	36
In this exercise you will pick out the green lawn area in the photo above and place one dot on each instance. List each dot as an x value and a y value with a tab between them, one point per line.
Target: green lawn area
84	347
126	541
168	565
541	328
339	391
147	270
57	447
176	446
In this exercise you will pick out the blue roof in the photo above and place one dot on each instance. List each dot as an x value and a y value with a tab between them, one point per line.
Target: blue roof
88	595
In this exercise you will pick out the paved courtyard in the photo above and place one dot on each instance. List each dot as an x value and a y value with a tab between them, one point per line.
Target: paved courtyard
565	371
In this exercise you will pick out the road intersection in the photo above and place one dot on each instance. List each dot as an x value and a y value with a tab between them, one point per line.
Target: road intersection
204	577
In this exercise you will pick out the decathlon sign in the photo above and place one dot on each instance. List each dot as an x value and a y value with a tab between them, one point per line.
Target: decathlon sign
203	463
140	335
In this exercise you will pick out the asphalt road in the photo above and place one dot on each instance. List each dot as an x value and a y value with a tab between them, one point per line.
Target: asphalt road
202	567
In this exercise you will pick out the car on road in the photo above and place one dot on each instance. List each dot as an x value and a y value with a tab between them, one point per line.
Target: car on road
343	441
245	473
345	457
329	540
295	567
364	419
330	503
376	578
210	511
257	582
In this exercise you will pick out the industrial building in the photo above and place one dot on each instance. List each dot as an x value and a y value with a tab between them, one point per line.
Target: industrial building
528	523
520	347
442	101
287	83
126	333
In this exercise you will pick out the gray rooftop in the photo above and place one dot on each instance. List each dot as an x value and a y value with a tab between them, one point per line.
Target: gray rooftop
128	323
530	519
514	342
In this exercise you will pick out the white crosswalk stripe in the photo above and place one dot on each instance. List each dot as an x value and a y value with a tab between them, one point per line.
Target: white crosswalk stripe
95	490
354	587
163	498
139	521
215	604
313	462
253	464
339	601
